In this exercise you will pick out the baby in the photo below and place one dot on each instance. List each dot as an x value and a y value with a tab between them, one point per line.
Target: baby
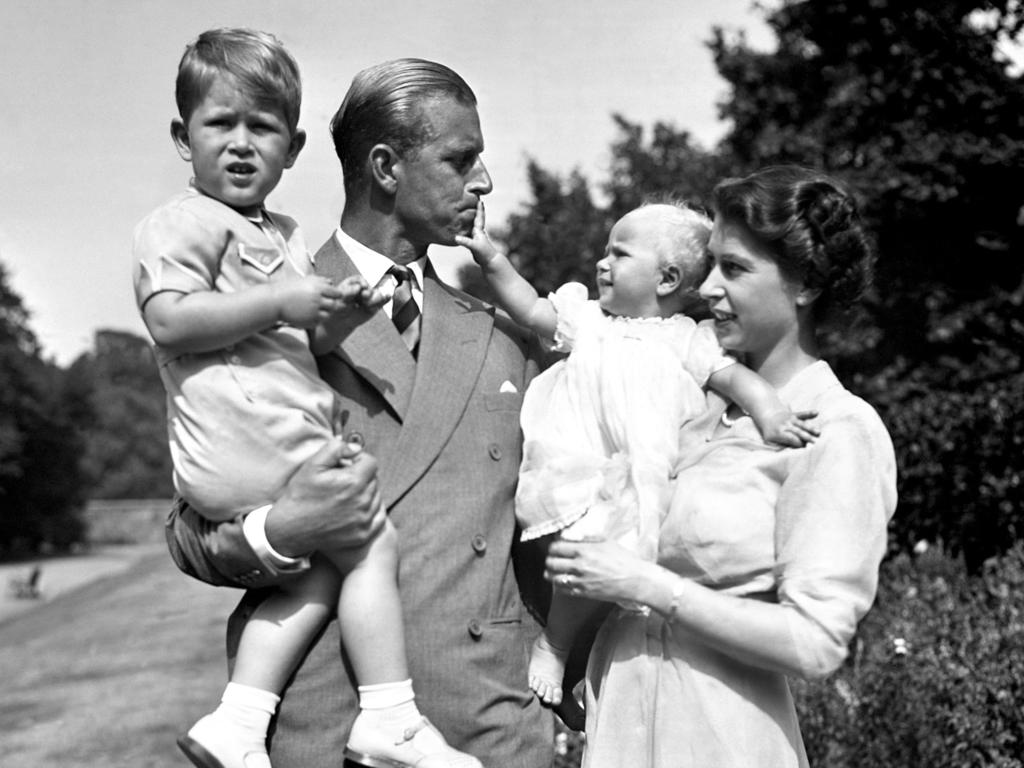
601	426
227	291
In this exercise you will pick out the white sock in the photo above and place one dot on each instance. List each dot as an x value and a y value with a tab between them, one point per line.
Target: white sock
389	705
248	709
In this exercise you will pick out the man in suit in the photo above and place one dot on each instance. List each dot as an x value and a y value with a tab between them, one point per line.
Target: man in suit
432	385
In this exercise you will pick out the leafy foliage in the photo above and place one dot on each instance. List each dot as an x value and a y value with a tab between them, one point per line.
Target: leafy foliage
126	452
937	673
40	476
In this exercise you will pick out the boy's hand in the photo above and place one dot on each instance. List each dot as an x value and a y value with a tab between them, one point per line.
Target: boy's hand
311	300
307	301
480	245
790	429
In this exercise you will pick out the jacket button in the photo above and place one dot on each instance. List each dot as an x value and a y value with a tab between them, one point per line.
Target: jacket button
494	450
355	437
479	544
475	630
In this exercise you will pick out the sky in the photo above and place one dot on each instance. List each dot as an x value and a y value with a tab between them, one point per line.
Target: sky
87	95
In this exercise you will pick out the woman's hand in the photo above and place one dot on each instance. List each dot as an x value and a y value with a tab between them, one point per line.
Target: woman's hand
602	570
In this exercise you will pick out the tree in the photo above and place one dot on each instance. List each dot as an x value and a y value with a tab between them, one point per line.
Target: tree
913	104
126	452
40	475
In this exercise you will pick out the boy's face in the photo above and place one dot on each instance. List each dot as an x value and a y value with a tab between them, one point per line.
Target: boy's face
238	148
629	273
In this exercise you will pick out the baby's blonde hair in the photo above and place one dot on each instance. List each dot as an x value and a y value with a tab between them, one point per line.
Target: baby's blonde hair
682	239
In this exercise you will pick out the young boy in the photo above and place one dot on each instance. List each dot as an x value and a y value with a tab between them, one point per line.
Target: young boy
227	292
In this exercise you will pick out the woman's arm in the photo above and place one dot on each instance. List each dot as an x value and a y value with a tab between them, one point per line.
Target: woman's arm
831	517
515	295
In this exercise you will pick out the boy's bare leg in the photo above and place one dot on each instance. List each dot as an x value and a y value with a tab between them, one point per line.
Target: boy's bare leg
269	649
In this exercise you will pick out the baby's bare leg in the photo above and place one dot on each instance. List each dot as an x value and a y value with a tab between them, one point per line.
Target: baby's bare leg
566	618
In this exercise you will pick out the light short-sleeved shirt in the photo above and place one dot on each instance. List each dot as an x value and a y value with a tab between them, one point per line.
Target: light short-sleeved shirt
240	419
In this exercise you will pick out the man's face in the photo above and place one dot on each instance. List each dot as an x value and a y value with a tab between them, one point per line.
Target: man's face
440	183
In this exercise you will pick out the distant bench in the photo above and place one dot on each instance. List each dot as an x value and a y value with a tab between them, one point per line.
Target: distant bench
26	587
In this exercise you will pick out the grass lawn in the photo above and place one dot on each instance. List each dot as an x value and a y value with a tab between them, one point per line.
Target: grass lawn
109	675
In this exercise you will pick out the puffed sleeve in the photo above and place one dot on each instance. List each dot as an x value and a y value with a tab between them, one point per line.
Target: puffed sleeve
830	536
702	354
574	310
175	250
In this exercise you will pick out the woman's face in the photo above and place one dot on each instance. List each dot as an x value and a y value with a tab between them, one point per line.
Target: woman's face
754	305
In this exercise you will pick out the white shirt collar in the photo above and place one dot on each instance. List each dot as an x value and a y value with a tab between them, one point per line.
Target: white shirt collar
374	266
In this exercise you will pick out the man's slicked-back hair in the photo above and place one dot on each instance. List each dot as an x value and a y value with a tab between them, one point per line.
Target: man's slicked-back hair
384	106
256	61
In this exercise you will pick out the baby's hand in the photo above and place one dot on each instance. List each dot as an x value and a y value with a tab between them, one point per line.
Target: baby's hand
479	244
790	429
357	293
307	301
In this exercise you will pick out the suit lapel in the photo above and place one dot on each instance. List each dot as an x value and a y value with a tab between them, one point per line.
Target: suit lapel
372	346
454	340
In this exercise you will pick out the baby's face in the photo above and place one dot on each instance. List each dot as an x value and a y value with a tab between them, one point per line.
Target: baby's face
630	271
238	147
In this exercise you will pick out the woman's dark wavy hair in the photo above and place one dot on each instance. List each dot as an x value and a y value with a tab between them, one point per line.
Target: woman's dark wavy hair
384	105
811	223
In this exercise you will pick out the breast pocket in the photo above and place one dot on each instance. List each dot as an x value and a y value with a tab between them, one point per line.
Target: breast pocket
265	261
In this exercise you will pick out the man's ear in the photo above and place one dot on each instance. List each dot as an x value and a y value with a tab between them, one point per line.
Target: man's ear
296	145
671	279
383	167
179	135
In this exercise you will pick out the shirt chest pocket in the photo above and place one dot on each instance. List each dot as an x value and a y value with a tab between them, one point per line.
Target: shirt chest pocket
259	263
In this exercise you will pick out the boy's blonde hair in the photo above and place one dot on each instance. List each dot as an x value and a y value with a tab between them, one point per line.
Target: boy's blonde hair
256	61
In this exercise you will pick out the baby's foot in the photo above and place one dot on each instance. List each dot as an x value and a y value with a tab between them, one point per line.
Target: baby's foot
547	667
214	743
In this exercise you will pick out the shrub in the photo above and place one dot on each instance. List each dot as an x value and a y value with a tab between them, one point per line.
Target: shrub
936	675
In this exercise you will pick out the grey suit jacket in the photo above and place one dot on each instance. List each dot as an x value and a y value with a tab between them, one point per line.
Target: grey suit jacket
448	444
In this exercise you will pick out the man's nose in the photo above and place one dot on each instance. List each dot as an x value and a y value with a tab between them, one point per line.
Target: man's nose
480	180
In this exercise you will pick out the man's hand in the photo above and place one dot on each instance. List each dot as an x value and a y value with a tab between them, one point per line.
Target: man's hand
331	503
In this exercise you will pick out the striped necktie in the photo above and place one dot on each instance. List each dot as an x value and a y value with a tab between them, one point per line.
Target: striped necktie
404	312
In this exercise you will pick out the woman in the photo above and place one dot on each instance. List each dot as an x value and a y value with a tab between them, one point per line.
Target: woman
768	557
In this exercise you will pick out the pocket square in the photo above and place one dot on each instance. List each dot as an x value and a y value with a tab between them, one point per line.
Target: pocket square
507	386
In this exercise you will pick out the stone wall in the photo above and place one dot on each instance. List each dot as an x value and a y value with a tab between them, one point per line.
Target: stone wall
125	521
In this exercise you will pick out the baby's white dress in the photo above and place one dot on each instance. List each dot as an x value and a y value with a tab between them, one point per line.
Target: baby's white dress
601	427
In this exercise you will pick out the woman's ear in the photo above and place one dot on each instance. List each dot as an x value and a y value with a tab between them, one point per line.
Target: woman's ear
807	296
671	279
179	135
383	162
